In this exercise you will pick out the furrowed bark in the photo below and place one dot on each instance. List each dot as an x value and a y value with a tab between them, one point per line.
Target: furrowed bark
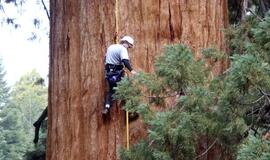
81	31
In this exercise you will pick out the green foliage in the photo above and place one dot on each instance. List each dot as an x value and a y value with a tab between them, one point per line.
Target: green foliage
250	37
249	70
174	133
13	145
138	152
224	108
178	68
27	100
39	152
4	89
213	53
30	98
254	148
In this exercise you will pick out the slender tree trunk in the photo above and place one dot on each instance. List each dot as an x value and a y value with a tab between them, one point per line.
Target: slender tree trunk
81	30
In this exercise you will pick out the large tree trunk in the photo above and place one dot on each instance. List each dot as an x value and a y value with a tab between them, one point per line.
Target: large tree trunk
80	32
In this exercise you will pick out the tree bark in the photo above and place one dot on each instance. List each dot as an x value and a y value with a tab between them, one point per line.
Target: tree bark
81	31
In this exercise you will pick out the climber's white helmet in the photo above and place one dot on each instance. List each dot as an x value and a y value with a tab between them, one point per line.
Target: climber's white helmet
127	39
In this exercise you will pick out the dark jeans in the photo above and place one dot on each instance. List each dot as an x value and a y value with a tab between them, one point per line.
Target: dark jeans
109	96
111	91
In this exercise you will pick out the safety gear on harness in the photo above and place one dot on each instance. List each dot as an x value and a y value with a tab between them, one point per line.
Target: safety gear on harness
114	73
114	76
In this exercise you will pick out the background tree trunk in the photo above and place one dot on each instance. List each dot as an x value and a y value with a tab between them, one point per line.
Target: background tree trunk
81	31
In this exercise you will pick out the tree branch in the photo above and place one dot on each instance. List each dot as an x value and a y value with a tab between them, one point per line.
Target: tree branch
264	93
150	143
258	17
254	102
165	96
47	12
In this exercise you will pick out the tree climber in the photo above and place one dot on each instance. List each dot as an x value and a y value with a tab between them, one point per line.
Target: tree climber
116	59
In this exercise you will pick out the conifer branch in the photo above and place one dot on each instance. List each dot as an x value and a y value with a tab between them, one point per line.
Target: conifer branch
254	102
177	93
264	93
165	96
258	17
150	143
226	71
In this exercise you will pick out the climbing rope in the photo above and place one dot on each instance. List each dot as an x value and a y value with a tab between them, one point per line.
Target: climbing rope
127	130
116	21
116	41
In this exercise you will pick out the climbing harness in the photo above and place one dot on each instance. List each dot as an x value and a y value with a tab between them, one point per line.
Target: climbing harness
114	73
